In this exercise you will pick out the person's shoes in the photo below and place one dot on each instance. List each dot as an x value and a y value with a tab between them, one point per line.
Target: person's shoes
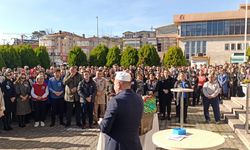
52	125
8	128
217	122
42	124
79	125
62	123
84	127
207	121
67	125
91	127
95	123
36	124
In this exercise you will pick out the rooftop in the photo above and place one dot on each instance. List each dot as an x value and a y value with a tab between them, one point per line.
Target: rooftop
225	15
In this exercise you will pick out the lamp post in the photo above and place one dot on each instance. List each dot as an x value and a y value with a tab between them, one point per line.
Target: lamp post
245	37
97	30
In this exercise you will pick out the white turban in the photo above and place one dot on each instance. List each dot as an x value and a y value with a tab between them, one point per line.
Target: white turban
123	76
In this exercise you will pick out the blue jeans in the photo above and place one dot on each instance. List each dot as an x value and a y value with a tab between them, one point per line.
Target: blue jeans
215	105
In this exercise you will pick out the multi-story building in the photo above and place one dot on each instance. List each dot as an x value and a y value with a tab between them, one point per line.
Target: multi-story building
33	43
166	37
59	44
215	36
138	39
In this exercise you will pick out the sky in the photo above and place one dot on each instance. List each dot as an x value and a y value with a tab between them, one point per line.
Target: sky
114	16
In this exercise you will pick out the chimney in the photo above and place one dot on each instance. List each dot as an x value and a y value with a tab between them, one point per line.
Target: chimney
60	31
83	35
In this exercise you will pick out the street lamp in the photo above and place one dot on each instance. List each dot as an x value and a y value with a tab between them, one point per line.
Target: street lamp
97	30
245	37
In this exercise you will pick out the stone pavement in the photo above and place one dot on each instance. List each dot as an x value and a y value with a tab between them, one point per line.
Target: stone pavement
59	137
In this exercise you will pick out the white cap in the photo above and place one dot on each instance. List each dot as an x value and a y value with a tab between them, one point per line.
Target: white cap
123	76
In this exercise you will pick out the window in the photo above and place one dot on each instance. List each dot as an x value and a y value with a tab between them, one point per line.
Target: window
209	28
183	29
198	47
220	27
198	29
231	27
226	27
187	50
193	48
204	47
237	27
239	46
227	47
215	28
233	47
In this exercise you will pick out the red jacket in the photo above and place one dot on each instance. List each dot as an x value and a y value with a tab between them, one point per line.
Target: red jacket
202	80
39	90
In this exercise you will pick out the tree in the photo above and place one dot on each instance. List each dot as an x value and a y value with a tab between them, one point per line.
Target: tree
10	56
43	56
174	57
2	63
77	57
98	56
113	56
36	35
148	56
27	55
129	56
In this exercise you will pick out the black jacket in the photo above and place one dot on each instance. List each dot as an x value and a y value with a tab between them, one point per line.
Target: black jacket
9	91
85	89
166	84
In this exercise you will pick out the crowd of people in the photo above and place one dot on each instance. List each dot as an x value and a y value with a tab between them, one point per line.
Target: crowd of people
34	93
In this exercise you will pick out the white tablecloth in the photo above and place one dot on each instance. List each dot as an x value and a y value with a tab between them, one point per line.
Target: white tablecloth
146	139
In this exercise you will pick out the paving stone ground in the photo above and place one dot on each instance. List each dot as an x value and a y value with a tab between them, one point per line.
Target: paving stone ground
74	138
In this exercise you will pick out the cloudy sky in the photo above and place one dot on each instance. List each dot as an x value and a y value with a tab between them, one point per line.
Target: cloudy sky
115	16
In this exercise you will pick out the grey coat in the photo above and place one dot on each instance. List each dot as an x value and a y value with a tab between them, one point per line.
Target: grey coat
23	107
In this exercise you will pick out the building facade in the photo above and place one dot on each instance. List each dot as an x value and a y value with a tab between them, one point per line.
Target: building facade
166	37
216	35
138	39
59	44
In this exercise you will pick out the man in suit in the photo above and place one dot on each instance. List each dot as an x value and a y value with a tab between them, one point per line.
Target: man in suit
123	116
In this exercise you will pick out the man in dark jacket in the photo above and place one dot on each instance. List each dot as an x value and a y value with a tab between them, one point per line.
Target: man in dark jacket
87	91
9	100
123	116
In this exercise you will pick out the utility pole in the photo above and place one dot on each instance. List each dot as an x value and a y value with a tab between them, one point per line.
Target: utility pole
245	37
97	30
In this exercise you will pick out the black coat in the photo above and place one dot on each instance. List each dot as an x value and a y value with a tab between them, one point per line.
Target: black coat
122	120
167	84
9	91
